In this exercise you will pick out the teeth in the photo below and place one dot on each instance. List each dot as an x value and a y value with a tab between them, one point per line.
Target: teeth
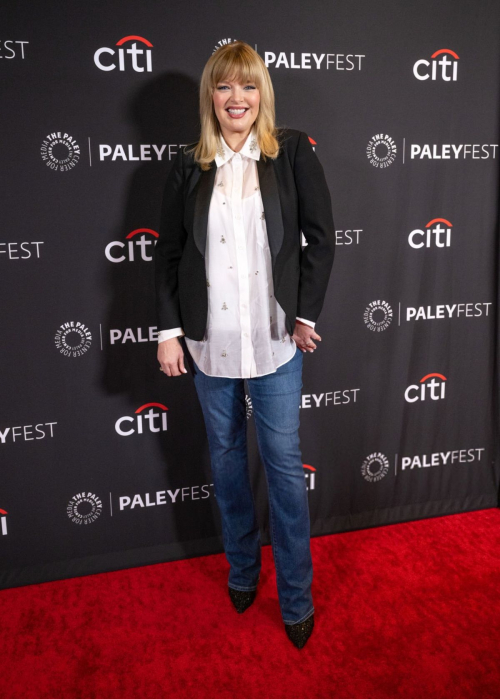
236	111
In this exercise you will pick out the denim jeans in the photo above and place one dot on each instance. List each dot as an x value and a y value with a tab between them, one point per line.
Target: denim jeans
275	401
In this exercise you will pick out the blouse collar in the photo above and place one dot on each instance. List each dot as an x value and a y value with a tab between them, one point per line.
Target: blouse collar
250	149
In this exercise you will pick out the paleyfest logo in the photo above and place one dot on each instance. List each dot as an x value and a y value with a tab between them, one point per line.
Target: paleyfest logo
381	150
60	151
73	339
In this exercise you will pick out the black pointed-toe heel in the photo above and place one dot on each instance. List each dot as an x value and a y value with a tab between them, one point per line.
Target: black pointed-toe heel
241	599
299	633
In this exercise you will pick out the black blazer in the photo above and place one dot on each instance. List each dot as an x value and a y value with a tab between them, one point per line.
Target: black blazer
295	197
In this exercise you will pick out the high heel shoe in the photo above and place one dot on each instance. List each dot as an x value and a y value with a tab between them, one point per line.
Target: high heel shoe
299	633
241	599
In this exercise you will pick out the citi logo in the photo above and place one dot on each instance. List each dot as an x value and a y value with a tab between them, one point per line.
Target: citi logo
310	476
3	522
153	421
433	388
448	64
139	59
139	241
437	234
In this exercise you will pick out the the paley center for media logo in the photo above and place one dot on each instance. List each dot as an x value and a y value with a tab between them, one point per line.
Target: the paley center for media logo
60	151
73	338
84	508
381	151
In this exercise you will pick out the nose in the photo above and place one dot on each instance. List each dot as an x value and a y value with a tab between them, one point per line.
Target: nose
239	94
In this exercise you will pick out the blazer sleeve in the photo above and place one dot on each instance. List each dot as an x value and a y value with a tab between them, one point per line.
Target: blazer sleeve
316	222
169	247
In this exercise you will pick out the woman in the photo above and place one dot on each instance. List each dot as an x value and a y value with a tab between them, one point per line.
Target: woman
231	277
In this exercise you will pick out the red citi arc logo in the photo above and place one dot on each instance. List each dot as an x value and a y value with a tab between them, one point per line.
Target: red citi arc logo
136	246
127	56
153	421
310	477
3	522
437	234
434	389
420	72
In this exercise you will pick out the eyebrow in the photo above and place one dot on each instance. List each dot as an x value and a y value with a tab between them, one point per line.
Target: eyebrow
230	81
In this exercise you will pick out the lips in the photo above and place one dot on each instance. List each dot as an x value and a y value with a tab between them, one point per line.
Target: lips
239	115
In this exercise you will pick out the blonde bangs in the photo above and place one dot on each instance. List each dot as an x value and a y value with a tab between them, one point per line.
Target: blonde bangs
237	67
236	61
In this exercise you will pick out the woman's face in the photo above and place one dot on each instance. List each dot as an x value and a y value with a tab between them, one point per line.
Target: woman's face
228	94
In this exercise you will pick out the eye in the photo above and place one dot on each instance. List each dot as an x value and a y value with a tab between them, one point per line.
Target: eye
223	87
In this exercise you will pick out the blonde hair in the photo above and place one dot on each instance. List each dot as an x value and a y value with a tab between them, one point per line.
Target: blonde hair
235	61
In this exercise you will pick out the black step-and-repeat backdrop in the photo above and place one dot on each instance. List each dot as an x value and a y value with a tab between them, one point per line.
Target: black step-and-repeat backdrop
104	460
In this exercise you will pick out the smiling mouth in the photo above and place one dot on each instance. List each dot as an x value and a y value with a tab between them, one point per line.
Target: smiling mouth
237	110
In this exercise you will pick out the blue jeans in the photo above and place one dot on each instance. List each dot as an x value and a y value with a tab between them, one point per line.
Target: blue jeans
275	401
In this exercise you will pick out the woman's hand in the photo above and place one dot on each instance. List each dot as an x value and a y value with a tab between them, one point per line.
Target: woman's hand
304	336
171	357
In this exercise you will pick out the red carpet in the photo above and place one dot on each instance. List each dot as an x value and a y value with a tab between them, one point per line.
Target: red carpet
409	610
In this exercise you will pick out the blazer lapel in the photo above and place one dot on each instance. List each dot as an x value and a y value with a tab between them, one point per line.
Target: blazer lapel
270	198
202	205
272	207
